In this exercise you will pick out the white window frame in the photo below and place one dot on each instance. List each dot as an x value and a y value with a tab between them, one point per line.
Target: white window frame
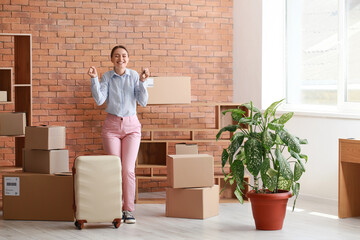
273	65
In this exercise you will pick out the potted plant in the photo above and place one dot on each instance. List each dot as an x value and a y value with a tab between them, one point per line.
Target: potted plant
260	148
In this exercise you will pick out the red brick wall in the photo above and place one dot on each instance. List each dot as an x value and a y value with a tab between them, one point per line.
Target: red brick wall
172	37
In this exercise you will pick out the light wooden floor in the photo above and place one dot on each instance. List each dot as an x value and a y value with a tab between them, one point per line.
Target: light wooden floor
315	219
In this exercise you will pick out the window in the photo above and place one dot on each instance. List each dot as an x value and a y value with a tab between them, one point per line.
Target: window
322	55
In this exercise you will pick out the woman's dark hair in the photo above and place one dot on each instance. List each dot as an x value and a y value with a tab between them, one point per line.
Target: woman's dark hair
116	47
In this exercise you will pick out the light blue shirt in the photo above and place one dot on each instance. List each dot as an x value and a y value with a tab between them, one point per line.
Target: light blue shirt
120	92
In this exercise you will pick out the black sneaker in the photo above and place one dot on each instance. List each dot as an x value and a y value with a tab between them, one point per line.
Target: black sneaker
128	217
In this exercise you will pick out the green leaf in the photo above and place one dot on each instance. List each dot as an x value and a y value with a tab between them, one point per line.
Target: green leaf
256	135
271	172
267	140
236	114
285	117
237	169
303	156
290	141
235	145
296	189
245	121
284	184
238	134
253	155
231	181
235	110
248	106
298	171
224	157
227	176
278	140
257	116
272	108
229	128
273	136
276	126
285	169
268	181
239	195
302	141
297	157
240	156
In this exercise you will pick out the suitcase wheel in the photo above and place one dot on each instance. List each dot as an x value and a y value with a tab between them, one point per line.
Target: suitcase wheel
117	223
79	225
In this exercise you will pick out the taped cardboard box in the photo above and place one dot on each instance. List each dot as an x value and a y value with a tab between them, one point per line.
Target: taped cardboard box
45	137
183	148
169	90
12	123
190	170
46	161
198	203
36	196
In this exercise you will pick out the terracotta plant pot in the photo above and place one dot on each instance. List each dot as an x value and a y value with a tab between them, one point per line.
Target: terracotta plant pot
269	209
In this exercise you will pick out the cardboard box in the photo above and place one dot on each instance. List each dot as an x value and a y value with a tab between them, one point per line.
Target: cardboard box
3	96
46	161
35	196
169	90
183	148
198	203
12	123
190	170
45	137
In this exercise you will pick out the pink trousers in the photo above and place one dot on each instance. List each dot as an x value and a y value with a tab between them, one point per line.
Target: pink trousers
121	137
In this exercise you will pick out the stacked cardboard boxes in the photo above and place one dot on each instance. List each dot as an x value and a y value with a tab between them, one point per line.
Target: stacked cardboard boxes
44	150
38	193
191	192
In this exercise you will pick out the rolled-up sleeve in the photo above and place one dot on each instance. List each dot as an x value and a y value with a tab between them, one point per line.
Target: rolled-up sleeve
99	90
141	93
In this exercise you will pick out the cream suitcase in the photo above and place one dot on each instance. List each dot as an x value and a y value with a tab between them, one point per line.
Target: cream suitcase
97	190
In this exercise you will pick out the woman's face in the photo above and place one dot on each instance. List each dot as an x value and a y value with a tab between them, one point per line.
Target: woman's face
120	58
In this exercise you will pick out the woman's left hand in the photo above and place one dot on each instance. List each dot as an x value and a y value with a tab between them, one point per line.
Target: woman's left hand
144	75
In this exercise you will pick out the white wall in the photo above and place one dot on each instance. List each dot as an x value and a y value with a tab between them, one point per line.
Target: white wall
247	51
321	176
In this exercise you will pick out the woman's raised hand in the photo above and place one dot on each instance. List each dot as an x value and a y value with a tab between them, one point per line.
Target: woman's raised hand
144	75
92	72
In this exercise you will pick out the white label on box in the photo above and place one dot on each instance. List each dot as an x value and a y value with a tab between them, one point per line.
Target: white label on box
150	82
12	186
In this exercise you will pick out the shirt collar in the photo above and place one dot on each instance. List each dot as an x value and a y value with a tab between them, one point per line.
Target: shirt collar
127	72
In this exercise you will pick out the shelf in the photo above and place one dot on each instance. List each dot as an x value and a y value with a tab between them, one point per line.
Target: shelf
16	79
150	201
15	34
178	129
225	120
185	141
152	153
182	134
7	169
150	166
6	83
12	135
152	178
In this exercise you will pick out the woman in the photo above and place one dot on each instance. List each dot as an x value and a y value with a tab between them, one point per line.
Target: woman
121	88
